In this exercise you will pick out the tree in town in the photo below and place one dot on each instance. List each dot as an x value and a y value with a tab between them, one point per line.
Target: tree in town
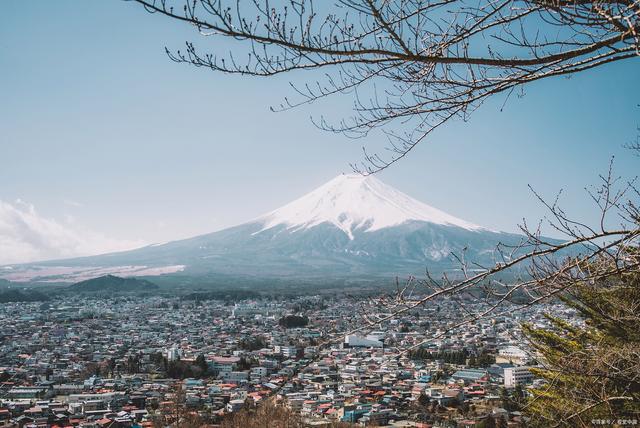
176	414
505	399
472	362
293	321
501	422
269	414
591	368
253	343
488	422
201	363
519	394
90	369
134	364
245	363
485	359
111	365
423	400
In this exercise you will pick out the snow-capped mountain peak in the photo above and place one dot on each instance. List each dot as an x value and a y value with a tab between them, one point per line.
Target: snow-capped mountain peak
285	245
352	202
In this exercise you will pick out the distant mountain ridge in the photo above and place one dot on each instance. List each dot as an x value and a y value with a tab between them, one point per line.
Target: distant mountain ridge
350	228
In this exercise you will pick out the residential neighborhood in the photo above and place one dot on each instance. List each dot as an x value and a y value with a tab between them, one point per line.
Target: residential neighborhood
132	361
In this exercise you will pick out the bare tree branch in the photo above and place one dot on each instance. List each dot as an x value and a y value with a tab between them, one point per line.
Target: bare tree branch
424	62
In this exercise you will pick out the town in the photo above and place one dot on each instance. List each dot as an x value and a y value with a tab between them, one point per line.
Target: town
132	361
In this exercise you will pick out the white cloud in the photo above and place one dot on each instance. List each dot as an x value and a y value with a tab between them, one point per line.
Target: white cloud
26	236
73	203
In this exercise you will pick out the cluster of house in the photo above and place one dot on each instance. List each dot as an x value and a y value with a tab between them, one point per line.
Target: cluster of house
127	361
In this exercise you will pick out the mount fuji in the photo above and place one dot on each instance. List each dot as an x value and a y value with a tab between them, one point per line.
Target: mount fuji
354	203
350	228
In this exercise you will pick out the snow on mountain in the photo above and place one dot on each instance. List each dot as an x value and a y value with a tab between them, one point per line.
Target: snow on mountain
355	202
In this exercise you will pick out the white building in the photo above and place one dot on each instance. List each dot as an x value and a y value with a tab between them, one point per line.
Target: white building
243	311
235	405
258	373
517	376
224	364
376	335
234	376
310	351
353	341
286	351
513	353
173	353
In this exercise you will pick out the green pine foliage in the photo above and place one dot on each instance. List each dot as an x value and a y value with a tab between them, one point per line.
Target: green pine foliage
293	321
591	365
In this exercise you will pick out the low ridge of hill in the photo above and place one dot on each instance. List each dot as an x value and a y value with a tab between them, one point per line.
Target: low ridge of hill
14	295
113	284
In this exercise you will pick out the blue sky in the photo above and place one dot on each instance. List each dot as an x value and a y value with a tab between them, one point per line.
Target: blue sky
102	135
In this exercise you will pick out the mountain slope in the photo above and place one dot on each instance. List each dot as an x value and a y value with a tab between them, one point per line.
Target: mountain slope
112	284
351	227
